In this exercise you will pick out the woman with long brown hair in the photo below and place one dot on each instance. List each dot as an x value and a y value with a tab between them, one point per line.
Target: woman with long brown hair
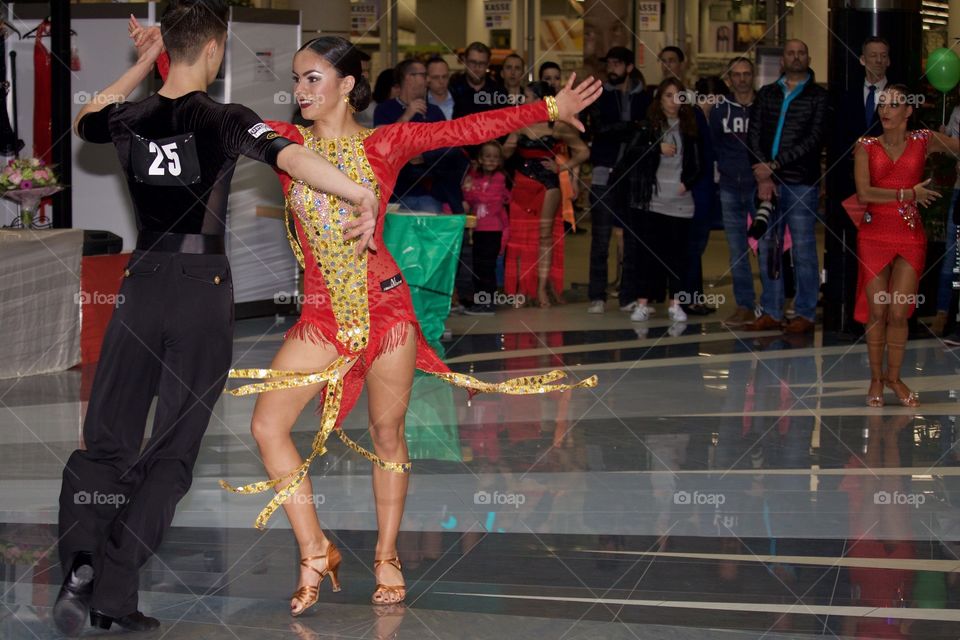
660	168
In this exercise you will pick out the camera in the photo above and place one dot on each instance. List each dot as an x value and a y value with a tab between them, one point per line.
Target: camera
761	220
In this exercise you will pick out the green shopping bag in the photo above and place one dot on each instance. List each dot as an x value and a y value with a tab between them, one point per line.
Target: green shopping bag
426	248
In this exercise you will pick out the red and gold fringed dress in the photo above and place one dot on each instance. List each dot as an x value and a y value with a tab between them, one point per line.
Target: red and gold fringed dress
530	184
361	305
893	228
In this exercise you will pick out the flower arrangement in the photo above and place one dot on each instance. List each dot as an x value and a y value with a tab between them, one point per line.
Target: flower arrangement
26	173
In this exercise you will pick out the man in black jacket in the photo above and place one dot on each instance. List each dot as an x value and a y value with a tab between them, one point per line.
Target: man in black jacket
611	121
787	123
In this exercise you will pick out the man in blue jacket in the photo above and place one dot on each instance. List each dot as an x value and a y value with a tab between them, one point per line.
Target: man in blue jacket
729	122
786	135
610	122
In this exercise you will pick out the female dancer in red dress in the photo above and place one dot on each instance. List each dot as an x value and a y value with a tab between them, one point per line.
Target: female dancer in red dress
358	323
891	243
534	263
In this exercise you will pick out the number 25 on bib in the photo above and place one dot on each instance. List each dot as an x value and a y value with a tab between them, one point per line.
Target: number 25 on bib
170	162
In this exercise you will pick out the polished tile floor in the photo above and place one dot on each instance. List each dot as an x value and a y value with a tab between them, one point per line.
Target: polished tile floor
714	485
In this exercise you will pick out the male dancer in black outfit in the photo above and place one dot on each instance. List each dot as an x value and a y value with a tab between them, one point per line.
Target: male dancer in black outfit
173	335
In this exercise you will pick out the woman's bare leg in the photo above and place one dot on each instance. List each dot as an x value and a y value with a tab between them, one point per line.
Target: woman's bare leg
876	331
903	288
388	384
551	200
273	418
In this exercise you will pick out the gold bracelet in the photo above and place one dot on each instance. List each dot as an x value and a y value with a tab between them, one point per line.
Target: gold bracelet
553	111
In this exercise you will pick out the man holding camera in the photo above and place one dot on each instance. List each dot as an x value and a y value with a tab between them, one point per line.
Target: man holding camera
785	136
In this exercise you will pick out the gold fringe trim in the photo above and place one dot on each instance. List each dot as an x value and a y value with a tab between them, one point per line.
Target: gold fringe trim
277	379
328	421
524	385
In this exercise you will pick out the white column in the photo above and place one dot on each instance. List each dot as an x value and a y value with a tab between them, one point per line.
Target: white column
953	24
810	23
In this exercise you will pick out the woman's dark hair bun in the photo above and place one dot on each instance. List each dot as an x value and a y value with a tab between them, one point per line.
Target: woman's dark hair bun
346	59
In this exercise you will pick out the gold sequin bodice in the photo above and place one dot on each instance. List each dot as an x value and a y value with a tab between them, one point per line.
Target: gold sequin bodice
322	216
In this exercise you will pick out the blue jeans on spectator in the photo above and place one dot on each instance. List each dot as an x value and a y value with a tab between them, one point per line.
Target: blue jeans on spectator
797	211
945	290
604	208
424	203
737	204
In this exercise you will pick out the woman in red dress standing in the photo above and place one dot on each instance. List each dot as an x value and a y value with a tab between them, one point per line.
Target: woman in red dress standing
891	243
358	323
533	265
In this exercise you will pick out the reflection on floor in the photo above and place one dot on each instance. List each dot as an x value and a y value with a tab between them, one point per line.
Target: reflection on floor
714	485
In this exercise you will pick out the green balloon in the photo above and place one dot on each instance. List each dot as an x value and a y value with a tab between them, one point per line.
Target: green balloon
943	69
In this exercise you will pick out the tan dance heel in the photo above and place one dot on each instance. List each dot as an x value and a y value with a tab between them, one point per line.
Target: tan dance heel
911	400
308	595
876	401
383	589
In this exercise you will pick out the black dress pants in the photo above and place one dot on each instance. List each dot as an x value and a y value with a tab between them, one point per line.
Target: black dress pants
661	254
486	249
171	335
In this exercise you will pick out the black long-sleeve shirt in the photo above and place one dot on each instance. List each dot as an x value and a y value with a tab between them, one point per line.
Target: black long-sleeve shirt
179	154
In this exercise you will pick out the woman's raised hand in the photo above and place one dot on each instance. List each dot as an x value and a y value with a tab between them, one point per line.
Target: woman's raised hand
572	100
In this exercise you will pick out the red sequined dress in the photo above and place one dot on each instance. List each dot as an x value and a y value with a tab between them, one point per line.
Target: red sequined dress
894	229
361	305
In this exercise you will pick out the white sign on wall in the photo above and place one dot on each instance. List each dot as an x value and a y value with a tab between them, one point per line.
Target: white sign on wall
363	16
648	16
496	13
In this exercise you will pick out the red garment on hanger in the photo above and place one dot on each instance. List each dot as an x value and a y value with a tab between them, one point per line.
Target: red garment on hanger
42	116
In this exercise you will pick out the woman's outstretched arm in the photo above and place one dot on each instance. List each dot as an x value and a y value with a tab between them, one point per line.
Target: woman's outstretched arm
403	141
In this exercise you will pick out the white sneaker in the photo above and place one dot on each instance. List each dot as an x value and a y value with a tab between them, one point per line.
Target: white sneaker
597	306
628	308
640	314
676	314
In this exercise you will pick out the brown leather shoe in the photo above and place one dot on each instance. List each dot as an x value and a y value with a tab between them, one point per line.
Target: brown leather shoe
799	325
766	322
741	316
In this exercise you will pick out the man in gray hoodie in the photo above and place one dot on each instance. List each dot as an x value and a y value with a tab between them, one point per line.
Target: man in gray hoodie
729	121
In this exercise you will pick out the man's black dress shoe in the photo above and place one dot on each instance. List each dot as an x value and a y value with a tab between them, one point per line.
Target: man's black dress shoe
73	601
135	621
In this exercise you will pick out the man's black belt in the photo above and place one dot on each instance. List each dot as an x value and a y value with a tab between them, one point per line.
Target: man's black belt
198	243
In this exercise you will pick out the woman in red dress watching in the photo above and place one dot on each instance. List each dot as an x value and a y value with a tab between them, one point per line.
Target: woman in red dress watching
891	243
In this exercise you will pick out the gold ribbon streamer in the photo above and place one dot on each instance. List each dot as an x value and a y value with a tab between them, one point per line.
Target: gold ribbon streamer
328	421
278	379
524	385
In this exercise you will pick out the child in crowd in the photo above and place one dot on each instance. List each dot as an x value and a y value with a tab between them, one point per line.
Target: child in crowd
485	195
